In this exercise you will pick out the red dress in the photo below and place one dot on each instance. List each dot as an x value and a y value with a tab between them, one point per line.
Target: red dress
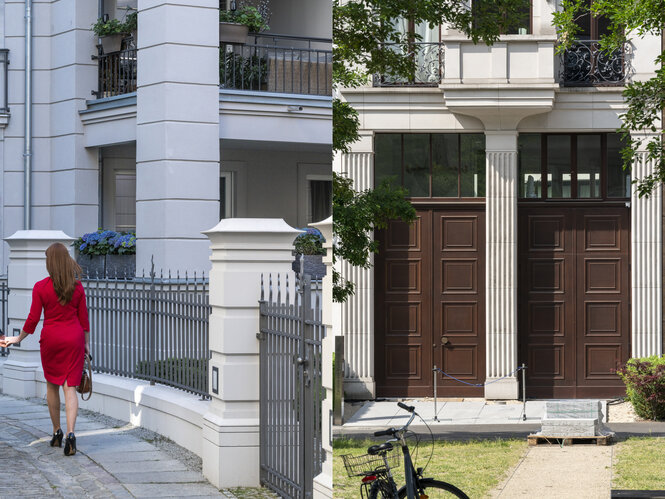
62	343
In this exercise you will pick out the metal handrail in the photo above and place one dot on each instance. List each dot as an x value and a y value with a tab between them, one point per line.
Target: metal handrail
586	64
429	66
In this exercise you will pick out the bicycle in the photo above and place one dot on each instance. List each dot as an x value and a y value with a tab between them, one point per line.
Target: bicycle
375	468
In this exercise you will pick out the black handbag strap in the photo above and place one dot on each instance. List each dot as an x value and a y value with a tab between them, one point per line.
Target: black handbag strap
87	363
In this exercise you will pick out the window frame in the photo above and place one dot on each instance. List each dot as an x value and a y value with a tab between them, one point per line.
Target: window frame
574	191
431	199
529	29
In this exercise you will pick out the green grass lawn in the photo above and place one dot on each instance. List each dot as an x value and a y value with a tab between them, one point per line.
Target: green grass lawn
475	467
638	464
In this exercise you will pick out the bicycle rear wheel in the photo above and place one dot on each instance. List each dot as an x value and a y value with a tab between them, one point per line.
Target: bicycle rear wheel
382	489
435	489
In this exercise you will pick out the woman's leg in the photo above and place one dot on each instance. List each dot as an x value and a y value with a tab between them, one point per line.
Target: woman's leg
53	401
71	406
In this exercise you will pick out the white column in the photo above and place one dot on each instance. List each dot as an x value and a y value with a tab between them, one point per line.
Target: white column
646	246
242	249
177	133
27	265
501	264
323	485
357	314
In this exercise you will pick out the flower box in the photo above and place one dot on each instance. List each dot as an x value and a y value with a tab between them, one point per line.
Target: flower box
111	43
313	264
93	266
233	33
120	266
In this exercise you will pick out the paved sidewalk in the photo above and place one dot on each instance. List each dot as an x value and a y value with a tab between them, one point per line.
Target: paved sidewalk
112	460
577	471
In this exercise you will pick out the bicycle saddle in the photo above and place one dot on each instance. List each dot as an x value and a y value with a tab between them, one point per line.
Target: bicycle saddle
378	449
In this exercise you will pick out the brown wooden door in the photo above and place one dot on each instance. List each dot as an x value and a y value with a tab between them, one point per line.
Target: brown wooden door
574	323
429	307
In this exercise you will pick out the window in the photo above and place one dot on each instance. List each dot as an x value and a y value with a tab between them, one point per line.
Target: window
575	166
125	201
432	165
226	189
485	11
320	199
591	27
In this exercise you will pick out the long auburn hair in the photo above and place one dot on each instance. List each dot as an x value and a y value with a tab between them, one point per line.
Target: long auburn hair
64	271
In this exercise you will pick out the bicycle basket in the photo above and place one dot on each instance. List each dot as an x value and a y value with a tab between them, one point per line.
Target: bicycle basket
368	464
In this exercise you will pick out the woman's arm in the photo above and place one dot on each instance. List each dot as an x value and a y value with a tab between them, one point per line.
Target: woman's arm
83	320
35	312
13	340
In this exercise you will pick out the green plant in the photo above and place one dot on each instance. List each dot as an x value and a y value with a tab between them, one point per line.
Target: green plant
247	15
645	386
309	243
242	73
115	27
106	242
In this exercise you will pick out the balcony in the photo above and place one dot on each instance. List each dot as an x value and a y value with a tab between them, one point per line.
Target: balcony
586	65
117	70
277	63
428	72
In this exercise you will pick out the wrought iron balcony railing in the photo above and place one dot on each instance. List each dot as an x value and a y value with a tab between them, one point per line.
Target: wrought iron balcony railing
585	64
278	63
428	58
117	70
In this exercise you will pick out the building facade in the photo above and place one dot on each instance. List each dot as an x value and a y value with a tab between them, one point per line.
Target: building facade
172	132
530	245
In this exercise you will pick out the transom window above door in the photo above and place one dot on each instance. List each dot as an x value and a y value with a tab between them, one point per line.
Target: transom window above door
432	165
574	166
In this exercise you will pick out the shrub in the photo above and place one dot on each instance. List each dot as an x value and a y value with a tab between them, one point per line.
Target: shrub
106	242
310	242
242	73
645	386
115	27
247	15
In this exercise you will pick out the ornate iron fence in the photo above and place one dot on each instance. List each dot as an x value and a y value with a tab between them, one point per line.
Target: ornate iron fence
117	71
586	64
428	66
153	328
278	63
4	318
291	333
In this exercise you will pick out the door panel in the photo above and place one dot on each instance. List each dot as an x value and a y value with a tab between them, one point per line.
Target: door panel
574	299
430	289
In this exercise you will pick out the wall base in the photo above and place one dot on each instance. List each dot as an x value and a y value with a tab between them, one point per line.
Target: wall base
19	379
230	451
323	487
505	389
359	389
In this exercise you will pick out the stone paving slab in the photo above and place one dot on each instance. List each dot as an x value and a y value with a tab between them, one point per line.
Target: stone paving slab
112	461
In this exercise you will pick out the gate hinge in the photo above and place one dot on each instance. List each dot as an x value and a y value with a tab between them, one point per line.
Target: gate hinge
260	336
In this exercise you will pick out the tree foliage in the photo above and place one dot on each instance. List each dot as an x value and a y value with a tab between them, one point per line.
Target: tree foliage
356	215
645	100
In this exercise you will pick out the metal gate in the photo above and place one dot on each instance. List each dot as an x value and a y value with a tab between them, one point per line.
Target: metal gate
291	330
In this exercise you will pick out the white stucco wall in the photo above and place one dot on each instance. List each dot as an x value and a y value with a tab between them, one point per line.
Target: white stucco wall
288	16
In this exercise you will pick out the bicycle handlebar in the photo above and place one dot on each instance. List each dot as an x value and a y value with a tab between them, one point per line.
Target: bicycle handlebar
383	433
409	408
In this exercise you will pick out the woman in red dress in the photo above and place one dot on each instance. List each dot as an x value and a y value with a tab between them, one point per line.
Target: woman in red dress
64	339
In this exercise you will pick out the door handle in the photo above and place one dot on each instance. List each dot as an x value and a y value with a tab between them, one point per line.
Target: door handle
444	340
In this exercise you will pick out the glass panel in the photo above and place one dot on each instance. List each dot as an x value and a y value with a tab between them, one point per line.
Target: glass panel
445	164
529	158
558	166
125	201
472	172
584	23
388	157
416	164
618	179
320	199
222	198
522	22
588	166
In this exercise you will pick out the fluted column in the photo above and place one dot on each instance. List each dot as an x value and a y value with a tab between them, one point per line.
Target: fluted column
646	244
501	264
356	317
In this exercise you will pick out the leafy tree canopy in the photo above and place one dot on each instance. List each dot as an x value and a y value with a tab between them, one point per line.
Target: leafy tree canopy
645	100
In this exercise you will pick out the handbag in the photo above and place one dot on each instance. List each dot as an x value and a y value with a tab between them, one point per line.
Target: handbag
85	386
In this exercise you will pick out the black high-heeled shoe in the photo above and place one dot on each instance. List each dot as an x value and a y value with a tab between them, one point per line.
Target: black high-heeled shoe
57	438
70	445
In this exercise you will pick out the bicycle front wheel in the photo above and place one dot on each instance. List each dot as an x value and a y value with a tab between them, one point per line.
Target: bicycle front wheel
434	489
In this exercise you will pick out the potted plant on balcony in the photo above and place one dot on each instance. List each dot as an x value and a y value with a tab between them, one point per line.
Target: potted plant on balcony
112	31
309	245
234	25
107	253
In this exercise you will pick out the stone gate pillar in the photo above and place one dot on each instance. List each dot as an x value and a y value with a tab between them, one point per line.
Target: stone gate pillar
27	265
242	250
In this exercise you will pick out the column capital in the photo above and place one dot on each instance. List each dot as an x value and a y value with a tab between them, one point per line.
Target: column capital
501	141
